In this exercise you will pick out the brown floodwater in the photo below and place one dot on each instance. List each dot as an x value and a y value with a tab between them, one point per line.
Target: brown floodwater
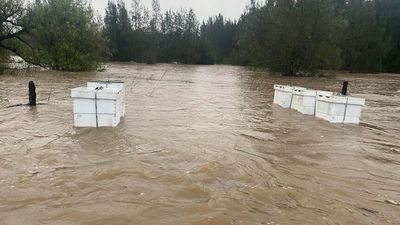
204	146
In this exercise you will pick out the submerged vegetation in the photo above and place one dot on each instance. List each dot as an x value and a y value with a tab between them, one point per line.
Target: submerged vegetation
292	37
66	36
56	34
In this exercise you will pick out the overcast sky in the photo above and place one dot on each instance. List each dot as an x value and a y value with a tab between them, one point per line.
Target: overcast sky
231	9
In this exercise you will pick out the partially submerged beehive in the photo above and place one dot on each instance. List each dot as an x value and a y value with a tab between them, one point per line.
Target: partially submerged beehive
338	109
113	84
283	95
98	106
329	106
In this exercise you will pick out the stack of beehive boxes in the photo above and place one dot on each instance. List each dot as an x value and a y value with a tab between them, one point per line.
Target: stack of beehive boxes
329	106
99	104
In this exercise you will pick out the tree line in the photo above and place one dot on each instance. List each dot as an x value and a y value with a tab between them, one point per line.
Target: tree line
292	37
142	35
306	36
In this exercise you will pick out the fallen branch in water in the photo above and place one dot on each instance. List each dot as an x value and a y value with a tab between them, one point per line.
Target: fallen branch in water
18	105
48	99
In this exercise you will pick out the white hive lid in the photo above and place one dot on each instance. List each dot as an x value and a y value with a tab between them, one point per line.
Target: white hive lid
322	94
92	93
83	92
108	93
339	99
106	84
299	88
309	92
356	101
287	88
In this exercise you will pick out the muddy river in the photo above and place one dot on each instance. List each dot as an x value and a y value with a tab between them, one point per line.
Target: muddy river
204	146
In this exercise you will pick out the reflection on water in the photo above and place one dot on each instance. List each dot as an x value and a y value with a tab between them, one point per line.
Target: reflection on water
200	145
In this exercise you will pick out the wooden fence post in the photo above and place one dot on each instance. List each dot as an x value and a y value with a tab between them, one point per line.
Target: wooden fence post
344	87
32	94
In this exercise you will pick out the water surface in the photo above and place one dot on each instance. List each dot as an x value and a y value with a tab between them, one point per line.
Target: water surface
200	145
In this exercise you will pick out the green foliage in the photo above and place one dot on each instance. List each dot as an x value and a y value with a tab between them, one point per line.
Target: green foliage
304	36
388	14
12	27
364	41
220	36
287	36
291	37
118	30
3	56
65	36
148	36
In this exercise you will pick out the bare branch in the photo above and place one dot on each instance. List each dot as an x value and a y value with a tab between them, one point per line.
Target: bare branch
13	23
14	35
16	52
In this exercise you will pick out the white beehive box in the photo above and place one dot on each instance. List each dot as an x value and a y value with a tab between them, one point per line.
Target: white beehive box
113	85
338	109
96	108
283	95
353	110
323	104
309	102
297	98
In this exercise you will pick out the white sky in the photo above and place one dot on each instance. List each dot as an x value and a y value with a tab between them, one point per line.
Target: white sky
231	9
